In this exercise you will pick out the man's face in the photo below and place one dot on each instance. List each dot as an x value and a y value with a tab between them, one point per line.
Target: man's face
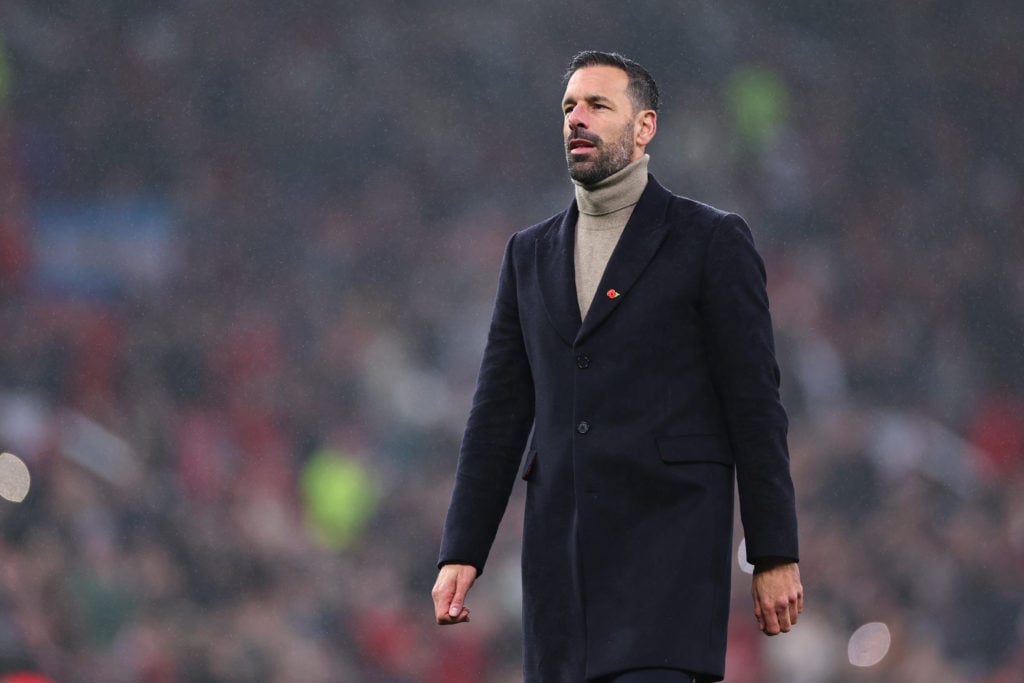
600	126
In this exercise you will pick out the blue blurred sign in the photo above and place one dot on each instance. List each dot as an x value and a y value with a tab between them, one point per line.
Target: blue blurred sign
103	249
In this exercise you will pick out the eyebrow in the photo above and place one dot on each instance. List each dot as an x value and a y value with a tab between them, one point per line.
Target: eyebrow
590	99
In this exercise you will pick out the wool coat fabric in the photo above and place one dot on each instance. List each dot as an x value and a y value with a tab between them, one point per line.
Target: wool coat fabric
643	416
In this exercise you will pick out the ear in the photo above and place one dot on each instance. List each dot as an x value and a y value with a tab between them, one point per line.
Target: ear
646	127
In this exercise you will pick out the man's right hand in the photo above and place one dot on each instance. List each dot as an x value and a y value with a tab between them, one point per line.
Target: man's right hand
449	593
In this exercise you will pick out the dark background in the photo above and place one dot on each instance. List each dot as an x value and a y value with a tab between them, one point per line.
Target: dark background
247	255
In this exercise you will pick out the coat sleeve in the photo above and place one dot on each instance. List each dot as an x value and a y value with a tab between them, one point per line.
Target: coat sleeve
734	305
496	431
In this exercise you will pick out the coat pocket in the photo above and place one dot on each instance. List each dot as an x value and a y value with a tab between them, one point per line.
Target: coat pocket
693	448
528	464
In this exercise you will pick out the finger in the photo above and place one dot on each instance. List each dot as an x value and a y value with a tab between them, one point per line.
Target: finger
443	614
771	620
463	581
794	612
441	610
463	617
785	623
758	614
443	593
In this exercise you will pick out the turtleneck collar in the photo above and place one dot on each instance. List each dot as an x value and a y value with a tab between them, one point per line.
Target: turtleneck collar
618	191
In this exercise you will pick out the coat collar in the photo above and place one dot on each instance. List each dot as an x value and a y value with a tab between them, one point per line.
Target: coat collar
556	271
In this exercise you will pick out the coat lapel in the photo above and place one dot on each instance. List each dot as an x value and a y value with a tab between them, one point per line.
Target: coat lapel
643	234
556	270
556	273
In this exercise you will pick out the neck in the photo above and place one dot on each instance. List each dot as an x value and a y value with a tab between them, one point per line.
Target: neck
616	192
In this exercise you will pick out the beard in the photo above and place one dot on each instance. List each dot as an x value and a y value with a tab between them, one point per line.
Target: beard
607	158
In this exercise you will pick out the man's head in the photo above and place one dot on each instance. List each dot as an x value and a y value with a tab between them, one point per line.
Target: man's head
611	114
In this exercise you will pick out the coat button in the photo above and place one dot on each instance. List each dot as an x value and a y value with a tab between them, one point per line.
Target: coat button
583	427
583	361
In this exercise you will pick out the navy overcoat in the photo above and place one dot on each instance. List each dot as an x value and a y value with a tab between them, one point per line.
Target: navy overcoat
643	415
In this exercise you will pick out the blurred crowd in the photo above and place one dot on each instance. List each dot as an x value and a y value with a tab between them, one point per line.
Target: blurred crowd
242	444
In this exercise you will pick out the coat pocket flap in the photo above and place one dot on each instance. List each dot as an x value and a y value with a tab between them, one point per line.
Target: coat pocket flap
695	448
531	458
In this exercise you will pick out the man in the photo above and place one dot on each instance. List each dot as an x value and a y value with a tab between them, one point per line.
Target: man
631	332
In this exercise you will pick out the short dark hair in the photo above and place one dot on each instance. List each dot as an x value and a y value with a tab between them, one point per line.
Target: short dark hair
642	90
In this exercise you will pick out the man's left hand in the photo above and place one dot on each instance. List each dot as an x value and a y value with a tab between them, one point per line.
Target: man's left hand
778	597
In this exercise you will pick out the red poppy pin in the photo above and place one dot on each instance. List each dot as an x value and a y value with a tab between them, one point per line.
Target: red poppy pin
612	294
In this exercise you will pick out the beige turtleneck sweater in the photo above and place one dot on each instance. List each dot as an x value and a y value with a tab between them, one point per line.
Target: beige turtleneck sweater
604	209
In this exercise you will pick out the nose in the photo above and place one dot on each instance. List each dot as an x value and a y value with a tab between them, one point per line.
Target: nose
576	119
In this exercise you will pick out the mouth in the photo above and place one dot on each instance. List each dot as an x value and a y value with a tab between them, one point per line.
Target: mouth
580	146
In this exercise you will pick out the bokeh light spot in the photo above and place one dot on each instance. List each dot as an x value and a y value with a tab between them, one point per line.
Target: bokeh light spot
869	644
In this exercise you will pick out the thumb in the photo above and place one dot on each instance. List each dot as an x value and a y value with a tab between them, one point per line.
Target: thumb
463	581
